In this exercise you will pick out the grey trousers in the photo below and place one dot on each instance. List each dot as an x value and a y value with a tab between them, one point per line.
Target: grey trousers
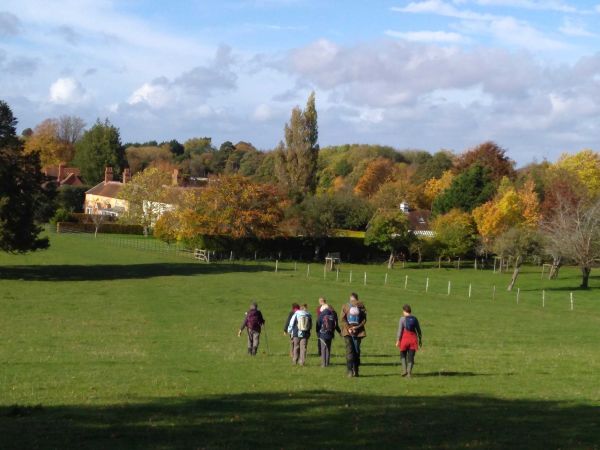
253	341
325	351
299	350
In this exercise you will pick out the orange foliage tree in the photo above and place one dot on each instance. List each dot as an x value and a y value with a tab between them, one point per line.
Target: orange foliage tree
46	142
377	173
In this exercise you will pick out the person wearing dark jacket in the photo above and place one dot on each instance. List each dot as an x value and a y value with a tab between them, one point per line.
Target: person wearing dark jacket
327	325
253	323
408	340
353	320
322	302
295	307
299	328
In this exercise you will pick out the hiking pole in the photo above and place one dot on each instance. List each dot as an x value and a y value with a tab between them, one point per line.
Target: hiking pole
266	338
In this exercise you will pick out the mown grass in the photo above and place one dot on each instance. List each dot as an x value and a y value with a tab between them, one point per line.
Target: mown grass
111	347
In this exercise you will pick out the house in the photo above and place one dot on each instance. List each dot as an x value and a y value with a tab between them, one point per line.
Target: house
63	176
104	198
419	220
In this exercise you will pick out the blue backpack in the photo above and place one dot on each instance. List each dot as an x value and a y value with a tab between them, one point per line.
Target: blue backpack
353	315
410	323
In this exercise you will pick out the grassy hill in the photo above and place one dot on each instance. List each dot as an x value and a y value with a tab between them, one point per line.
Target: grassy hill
105	346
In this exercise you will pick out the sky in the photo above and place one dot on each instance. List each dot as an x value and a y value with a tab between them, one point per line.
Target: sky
422	74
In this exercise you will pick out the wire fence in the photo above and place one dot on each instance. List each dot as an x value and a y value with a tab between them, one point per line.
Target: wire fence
410	280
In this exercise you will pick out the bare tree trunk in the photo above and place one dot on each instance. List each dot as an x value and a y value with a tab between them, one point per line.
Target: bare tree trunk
517	268
585	276
391	260
556	263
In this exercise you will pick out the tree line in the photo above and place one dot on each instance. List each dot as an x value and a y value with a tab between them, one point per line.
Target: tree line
478	202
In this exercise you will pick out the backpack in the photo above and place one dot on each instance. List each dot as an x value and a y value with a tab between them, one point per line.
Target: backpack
303	322
253	321
410	323
353	316
327	323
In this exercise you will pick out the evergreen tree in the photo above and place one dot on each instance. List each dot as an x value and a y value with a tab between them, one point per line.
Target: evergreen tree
22	197
296	162
467	191
100	146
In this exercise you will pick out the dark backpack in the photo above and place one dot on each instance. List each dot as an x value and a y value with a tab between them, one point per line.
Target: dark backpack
253	320
327	323
410	323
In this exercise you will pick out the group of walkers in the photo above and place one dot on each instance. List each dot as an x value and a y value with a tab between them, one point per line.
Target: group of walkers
350	325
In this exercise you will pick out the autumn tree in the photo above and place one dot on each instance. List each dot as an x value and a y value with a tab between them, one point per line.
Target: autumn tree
70	129
389	230
145	195
140	158
573	231
232	206
22	196
296	162
490	156
377	173
455	233
434	167
100	146
585	167
467	191
510	208
45	141
435	186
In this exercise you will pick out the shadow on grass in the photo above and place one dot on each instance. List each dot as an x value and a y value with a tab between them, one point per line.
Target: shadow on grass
327	419
66	272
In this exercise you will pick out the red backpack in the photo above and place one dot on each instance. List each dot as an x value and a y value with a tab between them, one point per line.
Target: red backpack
253	320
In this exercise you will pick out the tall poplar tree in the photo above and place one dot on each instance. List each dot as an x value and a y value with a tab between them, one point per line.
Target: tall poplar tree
296	162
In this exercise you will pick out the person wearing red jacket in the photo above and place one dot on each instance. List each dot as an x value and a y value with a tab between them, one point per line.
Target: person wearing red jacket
408	340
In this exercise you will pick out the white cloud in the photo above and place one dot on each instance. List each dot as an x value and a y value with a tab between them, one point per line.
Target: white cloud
427	36
539	5
262	113
156	95
66	91
574	28
442	8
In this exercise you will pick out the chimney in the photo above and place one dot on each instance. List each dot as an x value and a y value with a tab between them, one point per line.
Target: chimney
108	174
175	177
404	207
61	172
126	175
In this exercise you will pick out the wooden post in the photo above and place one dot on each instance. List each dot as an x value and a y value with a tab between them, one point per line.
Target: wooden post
543	299
307	270
295	266
518	294
350	276
449	287
543	267
385	280
469	290
254	256
475	263
495	260
427	285
276	265
494	293
231	256
571	301
458	263
405	281
325	272
403	263
365	282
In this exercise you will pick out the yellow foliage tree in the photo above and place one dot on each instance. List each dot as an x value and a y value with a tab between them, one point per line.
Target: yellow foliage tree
434	186
46	142
585	166
510	208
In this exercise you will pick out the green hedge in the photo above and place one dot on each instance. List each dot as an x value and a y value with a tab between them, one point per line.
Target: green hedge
111	228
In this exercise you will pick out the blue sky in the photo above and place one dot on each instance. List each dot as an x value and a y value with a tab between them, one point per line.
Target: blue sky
424	74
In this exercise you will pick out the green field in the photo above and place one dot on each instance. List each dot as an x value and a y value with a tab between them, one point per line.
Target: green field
104	347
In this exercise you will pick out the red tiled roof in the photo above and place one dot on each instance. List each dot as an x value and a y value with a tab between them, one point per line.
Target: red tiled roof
110	189
52	171
72	180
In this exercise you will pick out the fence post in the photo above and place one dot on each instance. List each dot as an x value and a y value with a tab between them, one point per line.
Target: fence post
543	298
276	265
427	285
405	281
385	280
571	301
337	274
494	293
307	270
518	293
470	290
350	277
365	282
324	272
295	266
231	256
449	287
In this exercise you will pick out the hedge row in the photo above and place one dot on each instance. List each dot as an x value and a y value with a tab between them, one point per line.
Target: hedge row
111	228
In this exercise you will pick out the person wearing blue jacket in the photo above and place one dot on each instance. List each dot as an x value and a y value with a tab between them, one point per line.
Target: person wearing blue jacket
327	325
299	328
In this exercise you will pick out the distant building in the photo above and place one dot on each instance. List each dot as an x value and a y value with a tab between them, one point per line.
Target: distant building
63	176
419	220
104	198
